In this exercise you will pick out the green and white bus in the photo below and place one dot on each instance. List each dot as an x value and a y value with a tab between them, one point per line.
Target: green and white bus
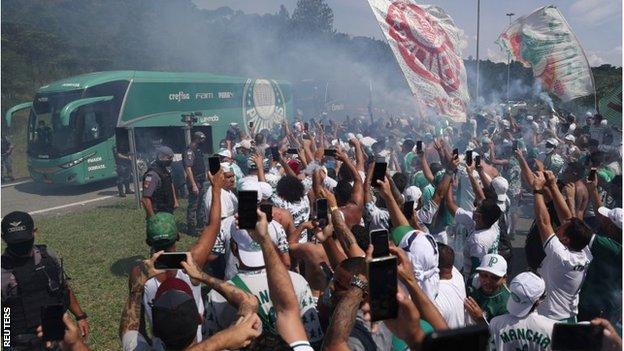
73	122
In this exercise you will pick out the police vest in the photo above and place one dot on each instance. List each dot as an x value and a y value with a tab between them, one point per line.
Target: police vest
38	284
199	166
162	198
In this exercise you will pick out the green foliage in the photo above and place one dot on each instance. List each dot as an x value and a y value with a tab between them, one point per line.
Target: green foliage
313	17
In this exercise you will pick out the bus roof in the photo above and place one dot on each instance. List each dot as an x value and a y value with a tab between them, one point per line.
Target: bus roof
90	79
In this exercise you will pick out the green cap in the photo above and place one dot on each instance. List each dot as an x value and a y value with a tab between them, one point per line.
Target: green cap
399	232
162	231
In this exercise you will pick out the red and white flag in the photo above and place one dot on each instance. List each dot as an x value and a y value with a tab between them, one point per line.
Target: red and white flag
425	42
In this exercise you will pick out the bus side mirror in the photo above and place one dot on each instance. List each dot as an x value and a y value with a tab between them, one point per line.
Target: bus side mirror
74	105
13	110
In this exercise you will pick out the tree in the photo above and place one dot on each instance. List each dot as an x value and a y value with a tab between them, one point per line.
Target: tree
313	17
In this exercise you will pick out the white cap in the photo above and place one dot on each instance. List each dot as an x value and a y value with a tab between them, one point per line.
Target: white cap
552	141
603	122
529	118
412	193
526	289
245	144
225	153
500	185
615	215
570	137
367	141
226	167
264	189
588	114
493	263
249	251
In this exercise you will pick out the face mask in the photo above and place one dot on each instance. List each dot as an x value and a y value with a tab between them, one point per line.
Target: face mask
21	249
164	163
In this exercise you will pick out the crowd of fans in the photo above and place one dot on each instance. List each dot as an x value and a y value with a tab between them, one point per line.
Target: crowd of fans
297	282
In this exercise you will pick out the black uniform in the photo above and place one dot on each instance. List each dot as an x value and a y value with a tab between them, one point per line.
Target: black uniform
27	285
7	163
195	214
157	185
124	173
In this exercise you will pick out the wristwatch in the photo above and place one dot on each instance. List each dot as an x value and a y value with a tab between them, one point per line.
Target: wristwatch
538	191
359	283
82	316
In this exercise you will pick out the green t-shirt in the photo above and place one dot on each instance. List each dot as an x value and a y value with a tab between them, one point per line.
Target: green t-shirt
602	289
494	305
400	345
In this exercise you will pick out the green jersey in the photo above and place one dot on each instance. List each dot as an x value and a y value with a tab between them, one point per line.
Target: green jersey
493	305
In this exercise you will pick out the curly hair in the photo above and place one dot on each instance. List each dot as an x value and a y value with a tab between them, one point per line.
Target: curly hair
290	188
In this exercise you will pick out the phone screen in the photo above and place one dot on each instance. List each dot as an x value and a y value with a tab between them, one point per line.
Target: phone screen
592	175
469	157
408	209
379	240
382	282
268	211
52	322
170	260
515	145
214	164
379	172
306	126
321	209
419	146
247	206
583	336
292	151
472	338
275	153
477	161
455	153
329	153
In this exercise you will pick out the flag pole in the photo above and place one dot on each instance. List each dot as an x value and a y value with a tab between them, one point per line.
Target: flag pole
478	20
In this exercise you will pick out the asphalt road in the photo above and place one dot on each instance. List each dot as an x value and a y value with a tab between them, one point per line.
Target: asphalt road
45	199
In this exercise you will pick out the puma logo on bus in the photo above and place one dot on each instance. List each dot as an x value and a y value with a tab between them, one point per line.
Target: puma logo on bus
179	96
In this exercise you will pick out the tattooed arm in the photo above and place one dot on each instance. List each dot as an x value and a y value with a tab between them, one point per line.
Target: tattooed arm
342	321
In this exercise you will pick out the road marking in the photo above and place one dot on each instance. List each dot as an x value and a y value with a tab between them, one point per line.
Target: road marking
18	183
71	204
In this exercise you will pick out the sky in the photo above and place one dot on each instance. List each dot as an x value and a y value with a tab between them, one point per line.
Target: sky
596	23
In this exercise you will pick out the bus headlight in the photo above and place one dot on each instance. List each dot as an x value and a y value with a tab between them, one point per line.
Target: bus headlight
76	161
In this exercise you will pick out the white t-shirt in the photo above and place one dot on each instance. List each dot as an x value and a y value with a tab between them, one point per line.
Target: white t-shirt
149	293
563	271
299	210
132	340
220	314
510	333
222	244
229	203
478	242
450	300
375	217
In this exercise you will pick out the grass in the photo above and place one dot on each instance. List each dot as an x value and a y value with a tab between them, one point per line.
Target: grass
98	247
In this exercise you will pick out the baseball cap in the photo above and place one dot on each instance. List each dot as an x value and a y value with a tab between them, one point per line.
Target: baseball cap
199	135
570	137
162	231
615	215
174	314
245	144
226	167
249	251
500	185
526	289
412	193
493	263
17	227
164	151
552	141
225	153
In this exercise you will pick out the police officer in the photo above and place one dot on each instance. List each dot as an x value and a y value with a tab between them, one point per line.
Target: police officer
158	192
123	165
7	164
32	278
195	169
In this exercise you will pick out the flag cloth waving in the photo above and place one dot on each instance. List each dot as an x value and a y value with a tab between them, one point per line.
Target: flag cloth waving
544	41
425	42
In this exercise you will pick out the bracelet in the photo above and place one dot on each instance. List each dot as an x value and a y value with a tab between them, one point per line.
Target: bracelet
538	191
81	317
332	209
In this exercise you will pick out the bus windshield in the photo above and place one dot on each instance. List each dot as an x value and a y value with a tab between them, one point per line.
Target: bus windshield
49	138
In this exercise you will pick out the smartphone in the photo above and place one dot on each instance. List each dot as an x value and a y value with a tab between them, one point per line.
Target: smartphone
515	145
170	260
326	271
329	153
581	336
379	240
469	157
408	209
292	151
247	206
592	175
268	211
306	126
275	153
321	209
419	146
214	164
379	172
250	125
382	284
477	161
52	323
455	153
472	338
